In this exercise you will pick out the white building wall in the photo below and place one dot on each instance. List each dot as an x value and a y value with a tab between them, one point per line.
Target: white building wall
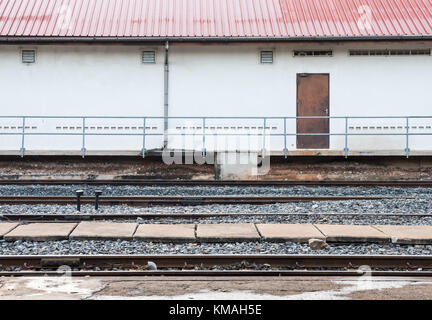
80	81
229	80
213	81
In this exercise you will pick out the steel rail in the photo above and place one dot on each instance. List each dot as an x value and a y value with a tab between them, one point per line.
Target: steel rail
179	200
239	264
146	182
149	216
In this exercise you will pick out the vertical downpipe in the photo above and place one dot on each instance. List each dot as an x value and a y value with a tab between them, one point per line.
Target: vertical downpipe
166	94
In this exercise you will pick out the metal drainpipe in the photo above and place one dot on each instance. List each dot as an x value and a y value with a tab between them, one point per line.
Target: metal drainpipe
166	94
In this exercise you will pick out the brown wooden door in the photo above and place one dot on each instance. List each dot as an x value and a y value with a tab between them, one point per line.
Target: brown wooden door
313	101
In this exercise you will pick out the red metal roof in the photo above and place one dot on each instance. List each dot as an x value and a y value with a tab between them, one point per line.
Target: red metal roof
216	18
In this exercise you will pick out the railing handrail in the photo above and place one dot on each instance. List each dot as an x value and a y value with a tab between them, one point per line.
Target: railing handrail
205	132
216	117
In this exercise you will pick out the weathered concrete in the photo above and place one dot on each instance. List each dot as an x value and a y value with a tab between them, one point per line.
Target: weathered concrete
217	232
166	233
7	227
408	234
221	288
350	233
41	232
99	168
236	165
289	232
227	232
48	288
295	168
104	230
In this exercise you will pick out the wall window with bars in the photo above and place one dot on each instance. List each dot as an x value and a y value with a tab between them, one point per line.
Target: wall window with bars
266	56
149	56
313	53
28	56
392	52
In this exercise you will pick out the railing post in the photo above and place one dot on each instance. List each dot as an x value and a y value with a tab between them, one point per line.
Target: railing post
83	149
144	150
204	150
285	139
407	149
346	138
263	151
22	150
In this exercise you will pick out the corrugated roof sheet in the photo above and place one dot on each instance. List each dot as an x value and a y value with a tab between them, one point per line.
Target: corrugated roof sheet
215	18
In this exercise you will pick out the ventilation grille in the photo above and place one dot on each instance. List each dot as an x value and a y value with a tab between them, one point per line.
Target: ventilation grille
105	128
149	57
417	52
12	127
225	128
266	56
392	127
313	53
28	56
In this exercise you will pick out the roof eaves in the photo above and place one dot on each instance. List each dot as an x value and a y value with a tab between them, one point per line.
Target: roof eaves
25	39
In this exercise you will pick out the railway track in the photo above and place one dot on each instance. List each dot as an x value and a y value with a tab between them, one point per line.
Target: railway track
78	217
145	182
179	200
229	265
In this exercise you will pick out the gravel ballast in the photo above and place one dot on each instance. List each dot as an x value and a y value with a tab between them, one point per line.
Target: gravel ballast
131	190
302	212
421	203
146	248
307	212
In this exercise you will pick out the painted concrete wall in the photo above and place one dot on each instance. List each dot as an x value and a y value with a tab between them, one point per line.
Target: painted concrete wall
80	81
210	80
230	81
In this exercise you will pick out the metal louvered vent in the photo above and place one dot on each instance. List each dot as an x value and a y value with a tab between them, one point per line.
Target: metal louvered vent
148	57
28	56
313	53
266	56
401	52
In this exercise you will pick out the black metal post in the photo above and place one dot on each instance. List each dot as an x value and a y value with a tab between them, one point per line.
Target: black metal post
79	193
97	194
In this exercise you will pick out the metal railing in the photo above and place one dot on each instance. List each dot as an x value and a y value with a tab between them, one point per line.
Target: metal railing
205	132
